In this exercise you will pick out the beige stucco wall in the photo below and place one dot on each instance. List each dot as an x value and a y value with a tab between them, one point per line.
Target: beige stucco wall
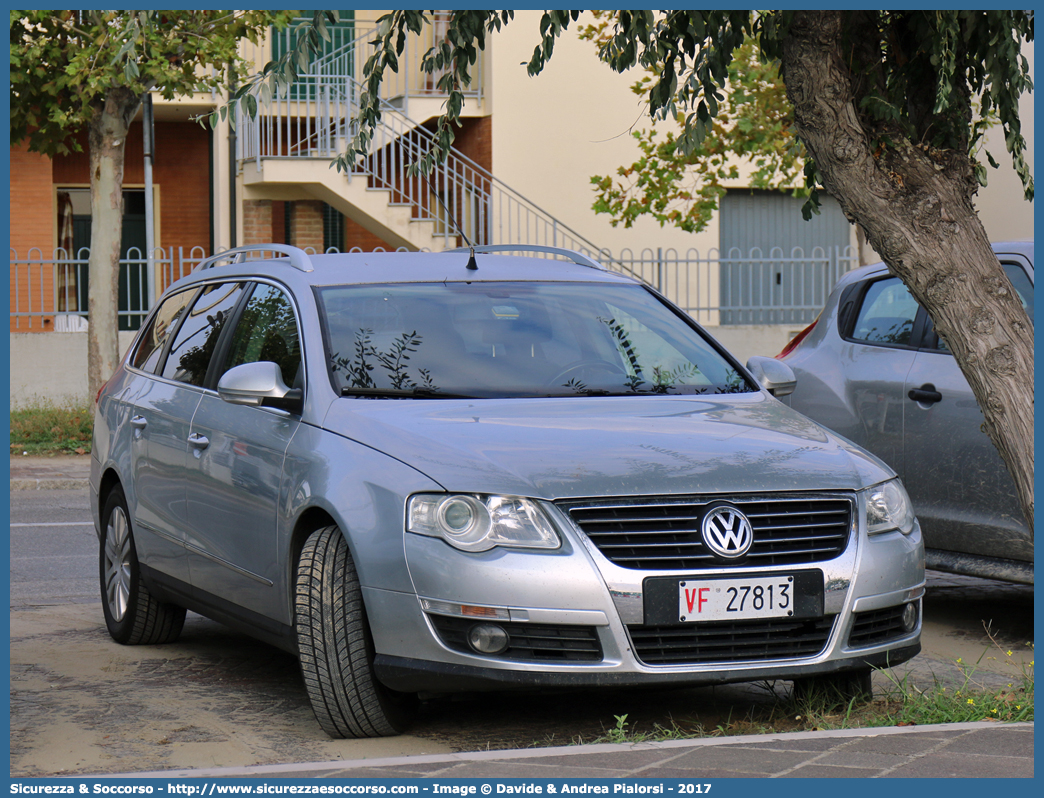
552	132
1004	211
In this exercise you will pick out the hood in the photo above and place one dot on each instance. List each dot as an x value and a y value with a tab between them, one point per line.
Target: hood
609	446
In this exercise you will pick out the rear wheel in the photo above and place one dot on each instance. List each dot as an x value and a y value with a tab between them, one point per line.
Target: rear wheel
132	615
336	647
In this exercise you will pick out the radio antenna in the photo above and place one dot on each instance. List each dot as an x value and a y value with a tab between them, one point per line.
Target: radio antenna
472	263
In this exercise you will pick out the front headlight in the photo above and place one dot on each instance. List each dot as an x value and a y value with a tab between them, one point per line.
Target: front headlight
478	523
887	508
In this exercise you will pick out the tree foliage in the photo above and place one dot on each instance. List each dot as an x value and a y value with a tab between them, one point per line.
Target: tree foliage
74	71
63	63
753	129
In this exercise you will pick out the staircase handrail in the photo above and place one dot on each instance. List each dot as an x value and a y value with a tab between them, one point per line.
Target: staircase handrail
481	172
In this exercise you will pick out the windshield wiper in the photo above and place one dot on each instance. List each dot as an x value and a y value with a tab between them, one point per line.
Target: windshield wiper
400	393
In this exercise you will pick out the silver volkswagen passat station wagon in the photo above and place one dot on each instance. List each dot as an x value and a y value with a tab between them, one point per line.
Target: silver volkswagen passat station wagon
436	472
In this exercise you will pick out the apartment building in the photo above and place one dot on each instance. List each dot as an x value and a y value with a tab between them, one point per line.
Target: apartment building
520	174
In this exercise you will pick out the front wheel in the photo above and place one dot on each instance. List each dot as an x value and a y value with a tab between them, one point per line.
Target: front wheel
336	646
836	688
132	615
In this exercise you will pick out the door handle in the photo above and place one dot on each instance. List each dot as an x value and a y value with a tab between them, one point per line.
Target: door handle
139	422
197	441
926	394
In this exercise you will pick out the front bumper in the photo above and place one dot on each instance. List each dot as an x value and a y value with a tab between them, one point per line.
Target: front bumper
576	588
418	676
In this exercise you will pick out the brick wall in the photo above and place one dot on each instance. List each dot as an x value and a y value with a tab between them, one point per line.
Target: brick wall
279	223
355	235
306	225
257	222
32	230
475	140
181	170
32	219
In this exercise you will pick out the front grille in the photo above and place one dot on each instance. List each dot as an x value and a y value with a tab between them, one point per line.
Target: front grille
527	641
731	641
663	534
877	626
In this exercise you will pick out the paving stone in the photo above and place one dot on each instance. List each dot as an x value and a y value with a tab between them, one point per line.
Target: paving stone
899	744
944	764
861	759
818	771
998	741
702	774
741	759
524	769
798	744
617	760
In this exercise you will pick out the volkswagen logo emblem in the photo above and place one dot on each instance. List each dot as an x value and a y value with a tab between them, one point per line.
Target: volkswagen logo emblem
726	532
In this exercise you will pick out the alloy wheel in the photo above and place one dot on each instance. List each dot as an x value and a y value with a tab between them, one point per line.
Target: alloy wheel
117	564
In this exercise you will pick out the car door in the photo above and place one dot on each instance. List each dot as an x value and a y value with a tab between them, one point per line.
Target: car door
236	470
874	357
963	494
161	423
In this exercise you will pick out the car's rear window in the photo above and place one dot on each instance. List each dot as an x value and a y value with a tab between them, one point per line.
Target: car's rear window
522	339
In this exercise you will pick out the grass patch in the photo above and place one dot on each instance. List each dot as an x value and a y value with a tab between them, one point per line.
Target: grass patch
47	428
900	703
905	705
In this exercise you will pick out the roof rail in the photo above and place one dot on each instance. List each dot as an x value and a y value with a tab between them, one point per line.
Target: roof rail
573	255
298	257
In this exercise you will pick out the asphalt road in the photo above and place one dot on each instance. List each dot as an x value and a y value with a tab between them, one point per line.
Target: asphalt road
82	704
54	549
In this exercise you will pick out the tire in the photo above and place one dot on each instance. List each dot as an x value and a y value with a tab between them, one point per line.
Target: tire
836	689
336	647
132	615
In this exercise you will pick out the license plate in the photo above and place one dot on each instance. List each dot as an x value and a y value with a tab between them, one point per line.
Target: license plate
736	599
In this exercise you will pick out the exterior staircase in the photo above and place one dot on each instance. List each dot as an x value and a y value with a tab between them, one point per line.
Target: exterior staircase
285	153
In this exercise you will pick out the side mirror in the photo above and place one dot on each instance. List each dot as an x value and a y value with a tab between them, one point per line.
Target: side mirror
773	375
258	384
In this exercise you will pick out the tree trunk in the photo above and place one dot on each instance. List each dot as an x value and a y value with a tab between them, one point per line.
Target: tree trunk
915	206
107	140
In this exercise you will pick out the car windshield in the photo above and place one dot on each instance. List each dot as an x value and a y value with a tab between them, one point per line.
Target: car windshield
515	339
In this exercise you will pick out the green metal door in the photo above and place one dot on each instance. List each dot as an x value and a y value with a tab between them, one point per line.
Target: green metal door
342	34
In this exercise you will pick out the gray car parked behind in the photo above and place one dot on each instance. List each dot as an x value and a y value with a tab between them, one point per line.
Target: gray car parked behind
873	369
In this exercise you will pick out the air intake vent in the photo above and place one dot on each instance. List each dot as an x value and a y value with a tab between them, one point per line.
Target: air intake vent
736	641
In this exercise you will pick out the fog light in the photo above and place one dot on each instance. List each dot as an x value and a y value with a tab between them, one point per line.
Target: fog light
487	638
909	618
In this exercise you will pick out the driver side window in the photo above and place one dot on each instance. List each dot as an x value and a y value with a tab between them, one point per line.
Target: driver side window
267	330
886	315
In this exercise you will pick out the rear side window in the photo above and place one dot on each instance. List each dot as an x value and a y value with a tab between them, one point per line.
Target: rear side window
194	344
163	323
886	314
